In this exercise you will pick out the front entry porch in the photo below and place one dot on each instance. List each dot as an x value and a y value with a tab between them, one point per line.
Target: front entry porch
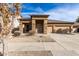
39	26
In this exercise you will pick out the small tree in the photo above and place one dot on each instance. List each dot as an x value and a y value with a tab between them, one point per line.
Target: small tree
7	13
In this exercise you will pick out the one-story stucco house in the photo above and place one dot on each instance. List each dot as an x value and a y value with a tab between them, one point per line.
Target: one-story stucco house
41	24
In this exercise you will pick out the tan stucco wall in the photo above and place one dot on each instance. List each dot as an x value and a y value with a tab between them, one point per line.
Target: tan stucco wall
56	28
49	29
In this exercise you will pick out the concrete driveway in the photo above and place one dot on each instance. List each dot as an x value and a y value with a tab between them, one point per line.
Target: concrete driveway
70	42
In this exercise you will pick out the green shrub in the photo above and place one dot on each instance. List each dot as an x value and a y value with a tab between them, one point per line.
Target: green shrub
59	31
15	29
16	33
65	31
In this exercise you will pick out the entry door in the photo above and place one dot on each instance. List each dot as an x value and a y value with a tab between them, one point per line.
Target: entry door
39	26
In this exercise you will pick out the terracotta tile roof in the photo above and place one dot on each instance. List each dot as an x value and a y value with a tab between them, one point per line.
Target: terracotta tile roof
76	24
59	22
39	15
51	21
25	19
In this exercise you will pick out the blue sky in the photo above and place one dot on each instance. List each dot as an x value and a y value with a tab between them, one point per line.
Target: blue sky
57	11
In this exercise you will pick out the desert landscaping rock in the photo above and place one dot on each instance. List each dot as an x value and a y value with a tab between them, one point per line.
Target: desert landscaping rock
35	38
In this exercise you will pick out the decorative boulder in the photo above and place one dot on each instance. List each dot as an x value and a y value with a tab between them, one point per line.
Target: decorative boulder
16	33
59	31
65	31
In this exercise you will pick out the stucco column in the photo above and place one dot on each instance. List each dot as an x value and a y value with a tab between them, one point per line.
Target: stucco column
70	28
53	30
33	26
21	28
45	26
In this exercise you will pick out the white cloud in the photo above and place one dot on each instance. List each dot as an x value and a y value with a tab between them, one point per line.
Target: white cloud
67	13
64	13
37	9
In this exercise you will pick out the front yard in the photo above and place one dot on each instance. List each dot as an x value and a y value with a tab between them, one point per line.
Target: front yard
51	44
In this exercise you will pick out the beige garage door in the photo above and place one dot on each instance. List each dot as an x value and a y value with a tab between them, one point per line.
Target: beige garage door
49	29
